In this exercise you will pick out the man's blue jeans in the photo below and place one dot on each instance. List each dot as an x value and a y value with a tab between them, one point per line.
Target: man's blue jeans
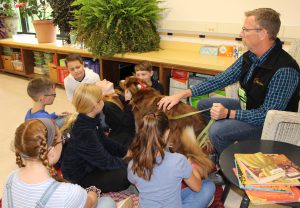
227	131
201	199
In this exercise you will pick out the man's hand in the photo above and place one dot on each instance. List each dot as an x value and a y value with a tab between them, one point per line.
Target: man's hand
168	102
218	111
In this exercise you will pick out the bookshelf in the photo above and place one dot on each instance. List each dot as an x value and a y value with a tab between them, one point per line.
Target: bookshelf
172	55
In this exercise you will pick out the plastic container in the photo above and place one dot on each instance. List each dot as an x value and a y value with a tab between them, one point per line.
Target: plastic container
48	57
38	70
18	65
63	72
38	54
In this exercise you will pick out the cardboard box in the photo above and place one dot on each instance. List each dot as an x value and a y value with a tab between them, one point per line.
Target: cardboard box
179	83
53	75
209	50
174	90
226	51
7	64
179	74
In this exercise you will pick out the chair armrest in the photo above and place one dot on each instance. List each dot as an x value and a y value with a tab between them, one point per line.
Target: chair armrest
282	126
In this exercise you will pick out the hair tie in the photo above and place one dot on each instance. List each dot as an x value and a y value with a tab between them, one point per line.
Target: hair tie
50	129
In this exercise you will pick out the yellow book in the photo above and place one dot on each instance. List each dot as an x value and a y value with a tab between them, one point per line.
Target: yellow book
263	168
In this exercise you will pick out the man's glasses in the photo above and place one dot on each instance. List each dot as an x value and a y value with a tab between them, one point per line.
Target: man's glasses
244	29
49	95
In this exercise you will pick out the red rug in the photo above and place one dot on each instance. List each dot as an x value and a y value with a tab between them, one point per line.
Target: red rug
217	201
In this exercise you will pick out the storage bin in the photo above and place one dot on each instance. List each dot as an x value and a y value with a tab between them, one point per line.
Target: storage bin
18	65
179	83
38	70
7	51
7	64
179	74
53	75
45	68
63	72
38	54
48	57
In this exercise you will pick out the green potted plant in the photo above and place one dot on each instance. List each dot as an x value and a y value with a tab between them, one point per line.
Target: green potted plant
9	18
41	19
117	26
62	16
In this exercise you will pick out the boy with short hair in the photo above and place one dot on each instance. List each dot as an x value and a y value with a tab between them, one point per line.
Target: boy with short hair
78	74
144	71
42	92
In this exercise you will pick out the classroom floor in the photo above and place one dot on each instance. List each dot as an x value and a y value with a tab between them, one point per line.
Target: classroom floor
14	103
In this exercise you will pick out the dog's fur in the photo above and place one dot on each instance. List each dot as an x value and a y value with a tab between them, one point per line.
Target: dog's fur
144	100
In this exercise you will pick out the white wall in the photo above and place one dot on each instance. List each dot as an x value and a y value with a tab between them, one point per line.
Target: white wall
215	15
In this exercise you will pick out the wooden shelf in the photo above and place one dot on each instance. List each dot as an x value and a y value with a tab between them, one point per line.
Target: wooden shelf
172	55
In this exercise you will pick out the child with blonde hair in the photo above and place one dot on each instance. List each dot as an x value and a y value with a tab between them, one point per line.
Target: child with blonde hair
38	145
158	174
90	157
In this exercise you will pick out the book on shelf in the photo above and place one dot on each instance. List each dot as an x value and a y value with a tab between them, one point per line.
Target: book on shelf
267	197
243	176
265	168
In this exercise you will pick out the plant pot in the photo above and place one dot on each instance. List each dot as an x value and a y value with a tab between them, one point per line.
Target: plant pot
45	31
11	25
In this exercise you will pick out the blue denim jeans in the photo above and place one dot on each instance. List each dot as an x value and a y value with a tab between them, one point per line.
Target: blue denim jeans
106	202
201	199
227	131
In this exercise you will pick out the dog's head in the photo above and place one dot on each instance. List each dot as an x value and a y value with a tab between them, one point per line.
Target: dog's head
132	85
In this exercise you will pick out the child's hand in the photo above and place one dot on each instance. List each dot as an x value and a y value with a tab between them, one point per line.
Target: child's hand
65	113
195	167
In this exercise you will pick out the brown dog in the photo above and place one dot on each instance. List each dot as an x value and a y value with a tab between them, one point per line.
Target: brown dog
144	99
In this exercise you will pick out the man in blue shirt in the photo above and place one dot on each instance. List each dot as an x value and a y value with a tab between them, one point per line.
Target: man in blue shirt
268	76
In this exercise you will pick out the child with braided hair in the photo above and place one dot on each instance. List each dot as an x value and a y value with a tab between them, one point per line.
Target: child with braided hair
38	145
158	174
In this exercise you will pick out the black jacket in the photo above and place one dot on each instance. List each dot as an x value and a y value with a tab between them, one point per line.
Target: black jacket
121	123
89	149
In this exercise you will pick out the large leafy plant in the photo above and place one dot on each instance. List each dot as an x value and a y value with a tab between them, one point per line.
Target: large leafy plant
108	27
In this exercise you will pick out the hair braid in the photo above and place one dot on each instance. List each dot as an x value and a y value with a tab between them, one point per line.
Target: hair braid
19	160
44	157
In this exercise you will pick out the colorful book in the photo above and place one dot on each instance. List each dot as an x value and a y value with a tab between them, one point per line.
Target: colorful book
266	197
246	176
290	169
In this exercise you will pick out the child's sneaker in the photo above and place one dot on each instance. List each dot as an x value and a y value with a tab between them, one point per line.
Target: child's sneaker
126	203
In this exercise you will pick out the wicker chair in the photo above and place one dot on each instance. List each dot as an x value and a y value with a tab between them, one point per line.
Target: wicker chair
282	126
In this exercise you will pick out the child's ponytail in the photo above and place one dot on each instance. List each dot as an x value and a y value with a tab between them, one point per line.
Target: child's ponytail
149	143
